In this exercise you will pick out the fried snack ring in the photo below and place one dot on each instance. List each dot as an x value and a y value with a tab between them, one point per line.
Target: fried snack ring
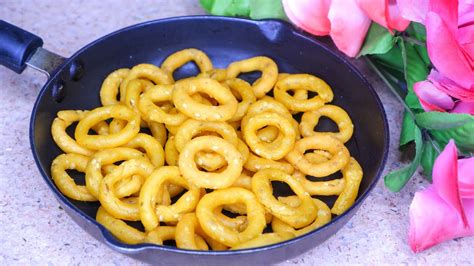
242	91
187	229
132	95
323	217
158	130
67	144
152	112
171	153
218	74
353	176
119	228
183	101
238	223
163	233
280	146
297	217
152	148
212	162
144	71
97	142
216	230
309	120
122	209
264	240
259	63
212	180
339	159
191	128
178	59
268	134
255	163
323	188
64	182
103	158
150	213
298	82
110	86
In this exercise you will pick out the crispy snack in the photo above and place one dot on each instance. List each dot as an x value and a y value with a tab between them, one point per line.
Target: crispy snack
154	155
297	217
211	225
340	155
259	63
310	119
299	82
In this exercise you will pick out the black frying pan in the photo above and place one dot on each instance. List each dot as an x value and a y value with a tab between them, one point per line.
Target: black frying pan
74	84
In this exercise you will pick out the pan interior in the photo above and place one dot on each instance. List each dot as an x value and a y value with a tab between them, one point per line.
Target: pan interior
225	41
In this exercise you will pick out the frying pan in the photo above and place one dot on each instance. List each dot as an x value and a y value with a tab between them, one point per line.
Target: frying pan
74	83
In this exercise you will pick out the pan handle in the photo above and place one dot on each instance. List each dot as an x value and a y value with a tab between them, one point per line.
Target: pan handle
19	48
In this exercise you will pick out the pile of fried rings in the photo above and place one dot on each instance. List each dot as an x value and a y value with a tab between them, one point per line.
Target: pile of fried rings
202	175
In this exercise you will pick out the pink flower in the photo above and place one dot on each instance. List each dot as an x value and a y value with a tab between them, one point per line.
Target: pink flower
445	209
346	21
450	39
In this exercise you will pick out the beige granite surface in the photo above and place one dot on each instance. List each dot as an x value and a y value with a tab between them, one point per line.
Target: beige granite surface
34	230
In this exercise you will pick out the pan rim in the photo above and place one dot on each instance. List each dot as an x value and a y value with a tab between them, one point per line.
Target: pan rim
134	249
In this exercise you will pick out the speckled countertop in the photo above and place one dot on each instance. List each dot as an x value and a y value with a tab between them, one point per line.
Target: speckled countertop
34	229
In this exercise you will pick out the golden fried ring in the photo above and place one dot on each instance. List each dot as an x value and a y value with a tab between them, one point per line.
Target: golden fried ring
213	180
132	95
171	153
241	89
178	59
323	188
255	163
310	119
108	157
152	112
103	158
339	159
119	228
209	161
158	130
216	230
172	129
153	149
191	128
187	229
352	174
64	182
280	146
116	125
239	208
67	144
238	223
323	217
110	86
183	101
144	71
98	142
218	74
297	217
264	240
259	63
268	134
122	209
298	82
160	234
152	214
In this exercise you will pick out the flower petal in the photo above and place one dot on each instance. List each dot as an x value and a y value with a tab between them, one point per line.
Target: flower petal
310	15
445	178
447	10
466	179
464	108
431	98
385	13
349	25
446	54
414	10
450	87
394	17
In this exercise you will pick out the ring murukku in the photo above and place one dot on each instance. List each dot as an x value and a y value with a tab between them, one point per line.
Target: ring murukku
352	175
188	228
183	101
144	71
265	240
218	74
259	63
243	92
178	59
151	146
110	87
255	163
310	119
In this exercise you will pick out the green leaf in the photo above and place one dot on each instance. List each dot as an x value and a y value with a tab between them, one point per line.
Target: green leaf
260	9
407	134
392	59
446	126
216	7
239	8
417	31
396	180
428	157
377	41
415	68
412	101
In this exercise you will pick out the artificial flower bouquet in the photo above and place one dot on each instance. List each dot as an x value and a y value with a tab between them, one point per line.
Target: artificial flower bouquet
424	49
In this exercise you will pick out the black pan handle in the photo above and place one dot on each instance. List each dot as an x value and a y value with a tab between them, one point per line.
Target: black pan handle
16	46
